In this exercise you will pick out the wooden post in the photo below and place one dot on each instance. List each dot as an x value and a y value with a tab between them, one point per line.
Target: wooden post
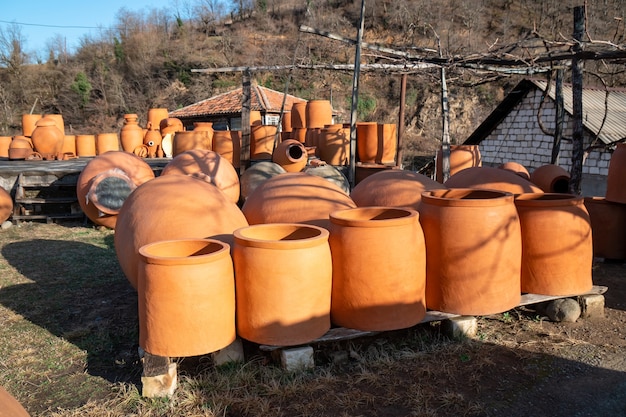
401	121
577	103
355	99
445	115
558	129
246	99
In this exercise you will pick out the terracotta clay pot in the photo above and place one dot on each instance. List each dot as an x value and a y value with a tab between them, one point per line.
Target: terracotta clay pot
295	197
106	142
5	143
257	174
58	121
85	145
557	246
291	155
517	168
255	118
285	123
6	205
69	145
551	179
168	125
156	116
47	138
367	141
379	268
473	251
279	300
153	141
187	140
172	207
106	182
20	147
262	138
299	134
608	226
615	190
393	188
387	143
224	144
334	145
208	166
488	178
298	115
29	122
9	406
319	113
186	297
461	157
131	134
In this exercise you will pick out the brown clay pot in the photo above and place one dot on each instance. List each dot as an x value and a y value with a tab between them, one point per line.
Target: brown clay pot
279	300
85	145
488	178
319	113
106	182
557	246
334	145
5	143
262	138
285	123
172	207
298	115
299	134
387	143
291	155
153	141
393	188
21	147
473	251
615	190
155	116
186	297
312	137
29	122
608	226
131	134
225	145
551	179
367	141
517	168
187	140
69	145
58	121
295	197
47	138
379	268
6	205
168	125
208	166
9	406
255	118
106	142
461	157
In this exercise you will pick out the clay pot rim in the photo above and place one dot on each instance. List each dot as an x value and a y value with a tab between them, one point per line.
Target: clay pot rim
290	144
184	251
110	173
480	197
253	236
367	216
547	199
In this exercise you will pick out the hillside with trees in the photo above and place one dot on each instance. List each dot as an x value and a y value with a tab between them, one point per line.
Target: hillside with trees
146	59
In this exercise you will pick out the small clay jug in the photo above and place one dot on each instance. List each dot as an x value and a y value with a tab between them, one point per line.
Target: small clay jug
291	155
131	134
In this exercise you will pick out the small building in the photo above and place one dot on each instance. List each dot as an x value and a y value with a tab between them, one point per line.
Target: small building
224	110
512	131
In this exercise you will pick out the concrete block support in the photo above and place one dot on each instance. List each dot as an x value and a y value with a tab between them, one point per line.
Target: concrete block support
295	359
229	354
460	327
591	305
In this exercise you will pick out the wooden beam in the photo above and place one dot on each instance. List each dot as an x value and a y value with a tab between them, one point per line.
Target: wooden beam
355	100
577	105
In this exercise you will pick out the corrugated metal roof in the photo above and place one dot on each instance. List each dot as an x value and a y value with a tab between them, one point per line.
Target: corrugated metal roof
261	99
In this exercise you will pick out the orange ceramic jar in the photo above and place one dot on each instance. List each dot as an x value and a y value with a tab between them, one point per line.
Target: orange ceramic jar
367	141
262	138
283	276
106	142
47	138
298	115
379	268
5	143
131	134
334	145
319	113
29	122
557	251
155	116
387	143
6	205
291	155
517	168
615	190
489	178
608	223
473	251
21	147
85	145
551	179
190	139
186	297
461	157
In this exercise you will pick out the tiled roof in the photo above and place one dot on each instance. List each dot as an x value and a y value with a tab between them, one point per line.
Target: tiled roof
262	99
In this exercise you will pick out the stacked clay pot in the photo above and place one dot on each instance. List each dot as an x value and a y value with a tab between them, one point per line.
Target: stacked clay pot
186	297
461	157
291	155
47	138
379	268
319	113
283	275
387	143
156	116
172	207
168	125
473	251
69	146
551	179
298	115
105	183
557	251
262	139
227	144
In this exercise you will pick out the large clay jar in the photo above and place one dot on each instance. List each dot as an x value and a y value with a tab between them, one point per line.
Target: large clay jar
85	145
285	123
156	115
169	125
224	144
105	183
299	134
557	246
21	147
69	146
319	113
387	143
461	157
204	127
5	143
255	118
47	138
262	138
208	166
298	115
393	188
615	190
131	134
186	297
608	226
283	276
295	197
29	122
58	121
379	268
257	174
551	179
6	205
334	145
106	142
367	141
516	168
488	178
291	155
189	139
172	207
473	251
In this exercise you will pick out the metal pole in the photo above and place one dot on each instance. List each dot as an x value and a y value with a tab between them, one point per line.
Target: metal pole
355	99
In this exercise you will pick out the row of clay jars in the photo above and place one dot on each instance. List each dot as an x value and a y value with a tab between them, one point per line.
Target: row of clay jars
376	142
310	114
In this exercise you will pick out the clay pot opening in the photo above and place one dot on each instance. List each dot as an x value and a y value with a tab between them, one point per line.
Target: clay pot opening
277	232
560	185
192	250
363	216
295	152
466	194
109	190
546	197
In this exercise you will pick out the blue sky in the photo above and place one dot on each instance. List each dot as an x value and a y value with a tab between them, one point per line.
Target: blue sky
72	19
